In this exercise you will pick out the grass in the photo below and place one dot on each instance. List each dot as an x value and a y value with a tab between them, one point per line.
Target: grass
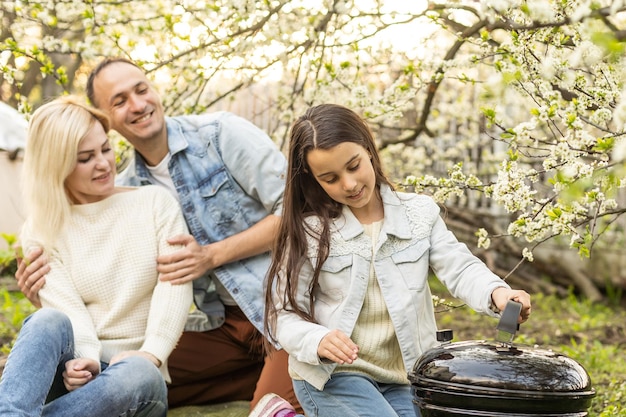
14	308
593	334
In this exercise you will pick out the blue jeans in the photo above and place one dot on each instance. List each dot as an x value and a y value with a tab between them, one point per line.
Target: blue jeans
355	395
32	383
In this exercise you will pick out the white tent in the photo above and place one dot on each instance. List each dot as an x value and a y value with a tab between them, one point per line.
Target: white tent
13	128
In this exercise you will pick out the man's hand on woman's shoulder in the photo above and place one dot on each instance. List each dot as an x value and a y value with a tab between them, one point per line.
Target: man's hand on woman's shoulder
31	273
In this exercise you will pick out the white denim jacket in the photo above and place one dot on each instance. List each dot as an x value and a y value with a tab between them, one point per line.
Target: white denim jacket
413	238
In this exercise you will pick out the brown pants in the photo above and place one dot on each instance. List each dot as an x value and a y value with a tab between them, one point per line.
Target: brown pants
227	364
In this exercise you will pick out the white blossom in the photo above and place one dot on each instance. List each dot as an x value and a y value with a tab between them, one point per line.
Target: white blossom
528	254
483	238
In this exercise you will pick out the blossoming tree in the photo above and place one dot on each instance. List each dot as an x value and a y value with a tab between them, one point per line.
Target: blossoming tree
510	112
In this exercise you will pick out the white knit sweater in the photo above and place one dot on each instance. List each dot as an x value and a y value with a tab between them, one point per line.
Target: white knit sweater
103	275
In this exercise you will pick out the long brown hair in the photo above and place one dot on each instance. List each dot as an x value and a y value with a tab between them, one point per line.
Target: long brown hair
321	127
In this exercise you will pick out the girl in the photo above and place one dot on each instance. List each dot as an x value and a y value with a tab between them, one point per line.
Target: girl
99	345
347	294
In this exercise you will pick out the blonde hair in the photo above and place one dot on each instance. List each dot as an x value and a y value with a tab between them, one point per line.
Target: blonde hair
54	133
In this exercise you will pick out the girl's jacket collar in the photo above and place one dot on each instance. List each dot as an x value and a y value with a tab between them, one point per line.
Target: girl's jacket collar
396	221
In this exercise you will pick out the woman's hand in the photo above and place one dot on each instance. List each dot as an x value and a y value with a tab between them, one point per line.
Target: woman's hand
79	371
337	347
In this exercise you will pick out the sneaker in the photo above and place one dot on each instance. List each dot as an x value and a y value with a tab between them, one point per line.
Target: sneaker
271	404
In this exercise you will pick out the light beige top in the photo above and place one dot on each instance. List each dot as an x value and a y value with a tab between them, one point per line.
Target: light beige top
103	275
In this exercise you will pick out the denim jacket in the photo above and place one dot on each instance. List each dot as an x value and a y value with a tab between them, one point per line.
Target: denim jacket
229	175
413	239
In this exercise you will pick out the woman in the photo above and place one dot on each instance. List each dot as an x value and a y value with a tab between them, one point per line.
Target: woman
347	294
100	343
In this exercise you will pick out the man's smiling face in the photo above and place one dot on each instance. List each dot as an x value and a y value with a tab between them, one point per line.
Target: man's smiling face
124	93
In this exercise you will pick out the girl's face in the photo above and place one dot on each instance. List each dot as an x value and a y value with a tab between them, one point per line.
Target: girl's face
346	173
93	176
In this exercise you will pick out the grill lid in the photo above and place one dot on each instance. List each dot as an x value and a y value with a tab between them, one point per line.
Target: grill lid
497	379
499	365
492	365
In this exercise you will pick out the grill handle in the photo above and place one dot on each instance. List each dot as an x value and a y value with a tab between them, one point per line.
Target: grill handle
508	326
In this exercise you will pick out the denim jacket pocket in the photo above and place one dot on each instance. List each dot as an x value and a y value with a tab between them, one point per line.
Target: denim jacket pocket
335	276
334	264
412	263
220	197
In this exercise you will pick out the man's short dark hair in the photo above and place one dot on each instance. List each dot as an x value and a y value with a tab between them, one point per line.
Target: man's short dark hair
94	73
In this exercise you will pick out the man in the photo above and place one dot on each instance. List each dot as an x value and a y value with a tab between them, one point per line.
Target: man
229	178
